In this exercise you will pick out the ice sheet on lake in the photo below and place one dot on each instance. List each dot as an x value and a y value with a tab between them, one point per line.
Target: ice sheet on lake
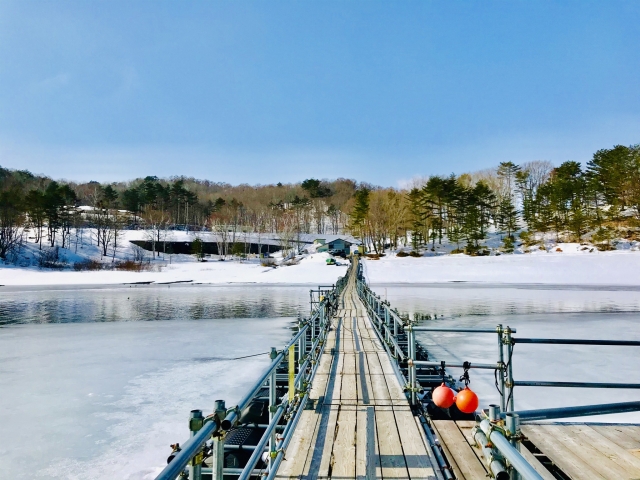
105	401
550	313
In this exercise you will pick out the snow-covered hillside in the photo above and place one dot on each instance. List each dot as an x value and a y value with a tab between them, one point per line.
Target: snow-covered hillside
570	266
24	270
544	262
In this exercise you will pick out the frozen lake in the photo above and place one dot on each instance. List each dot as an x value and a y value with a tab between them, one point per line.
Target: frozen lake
96	383
540	312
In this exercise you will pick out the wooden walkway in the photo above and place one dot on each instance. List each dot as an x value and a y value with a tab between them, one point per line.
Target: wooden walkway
362	426
581	451
589	451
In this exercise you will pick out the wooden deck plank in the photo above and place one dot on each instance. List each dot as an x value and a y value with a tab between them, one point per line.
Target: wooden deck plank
535	463
466	427
360	430
625	460
349	394
396	391
318	386
633	431
296	455
343	463
378	383
470	468
563	456
320	456
415	453
363	380
392	460
367	458
596	459
619	435
450	458
363	331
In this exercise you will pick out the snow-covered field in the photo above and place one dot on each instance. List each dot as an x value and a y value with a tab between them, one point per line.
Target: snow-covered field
570	267
563	263
312	269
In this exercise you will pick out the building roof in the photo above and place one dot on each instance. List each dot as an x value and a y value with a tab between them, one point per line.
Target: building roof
310	237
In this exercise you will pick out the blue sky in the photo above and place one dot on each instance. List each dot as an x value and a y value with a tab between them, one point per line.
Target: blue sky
262	92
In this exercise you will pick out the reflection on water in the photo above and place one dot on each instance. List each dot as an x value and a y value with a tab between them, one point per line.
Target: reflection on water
144	303
462	300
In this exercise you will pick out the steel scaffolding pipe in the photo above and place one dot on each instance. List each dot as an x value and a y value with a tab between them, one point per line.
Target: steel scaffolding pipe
287	435
580	411
497	468
576	341
192	446
459	330
233	416
189	450
485	366
247	471
435	448
516	460
533	383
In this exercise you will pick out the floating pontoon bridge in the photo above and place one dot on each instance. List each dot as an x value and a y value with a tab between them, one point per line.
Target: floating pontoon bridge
350	397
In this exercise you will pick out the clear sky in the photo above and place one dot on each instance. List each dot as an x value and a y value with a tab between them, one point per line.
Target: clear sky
270	91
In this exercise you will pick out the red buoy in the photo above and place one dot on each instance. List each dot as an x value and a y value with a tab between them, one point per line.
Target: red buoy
467	401
443	396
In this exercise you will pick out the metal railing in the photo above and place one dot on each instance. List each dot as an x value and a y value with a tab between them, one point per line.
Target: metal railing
498	436
188	461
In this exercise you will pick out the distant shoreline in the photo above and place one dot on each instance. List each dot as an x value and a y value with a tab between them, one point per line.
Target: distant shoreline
616	270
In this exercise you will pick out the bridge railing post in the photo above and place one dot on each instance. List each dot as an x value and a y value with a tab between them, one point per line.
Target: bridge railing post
217	453
508	342
501	374
196	421
412	365
272	405
387	332
512	424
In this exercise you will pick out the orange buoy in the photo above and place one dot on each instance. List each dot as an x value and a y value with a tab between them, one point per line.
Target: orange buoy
443	396
467	401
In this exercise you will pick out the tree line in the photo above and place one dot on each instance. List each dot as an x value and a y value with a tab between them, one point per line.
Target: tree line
55	213
570	201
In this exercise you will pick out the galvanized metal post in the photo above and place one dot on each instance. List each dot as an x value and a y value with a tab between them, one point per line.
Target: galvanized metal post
502	372
195	423
272	406
412	366
512	425
387	331
494	413
509	343
217	453
392	333
304	344
301	346
395	327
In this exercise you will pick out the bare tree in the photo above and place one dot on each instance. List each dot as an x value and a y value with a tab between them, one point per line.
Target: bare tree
155	222
118	222
287	234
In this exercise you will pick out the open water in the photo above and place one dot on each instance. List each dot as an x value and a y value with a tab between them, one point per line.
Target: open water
98	382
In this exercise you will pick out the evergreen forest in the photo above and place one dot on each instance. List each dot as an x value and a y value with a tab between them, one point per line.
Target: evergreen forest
598	200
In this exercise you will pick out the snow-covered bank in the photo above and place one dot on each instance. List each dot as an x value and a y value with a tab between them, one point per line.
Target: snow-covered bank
311	269
601	268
